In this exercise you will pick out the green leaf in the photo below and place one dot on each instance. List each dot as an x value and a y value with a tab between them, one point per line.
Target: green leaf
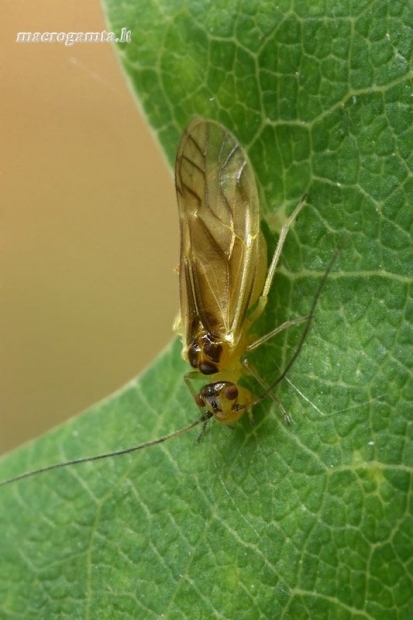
312	520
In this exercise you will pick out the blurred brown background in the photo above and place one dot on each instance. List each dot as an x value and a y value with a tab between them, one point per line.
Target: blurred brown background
88	229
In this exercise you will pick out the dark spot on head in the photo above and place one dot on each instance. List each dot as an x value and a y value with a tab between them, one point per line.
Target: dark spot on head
238	407
208	390
231	392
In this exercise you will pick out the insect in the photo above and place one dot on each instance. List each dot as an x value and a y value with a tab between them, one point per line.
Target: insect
223	276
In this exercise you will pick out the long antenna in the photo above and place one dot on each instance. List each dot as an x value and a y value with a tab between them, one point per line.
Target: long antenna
323	281
204	417
88	459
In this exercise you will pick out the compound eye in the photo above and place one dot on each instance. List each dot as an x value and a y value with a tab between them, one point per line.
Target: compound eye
231	392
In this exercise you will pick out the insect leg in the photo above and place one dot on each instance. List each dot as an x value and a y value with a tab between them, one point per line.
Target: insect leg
205	417
188	378
251	370
283	234
262	302
273	332
202	431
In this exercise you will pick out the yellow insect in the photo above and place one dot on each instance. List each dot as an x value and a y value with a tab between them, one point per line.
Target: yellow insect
223	276
224	282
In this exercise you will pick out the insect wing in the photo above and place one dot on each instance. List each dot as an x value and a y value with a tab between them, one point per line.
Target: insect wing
223	254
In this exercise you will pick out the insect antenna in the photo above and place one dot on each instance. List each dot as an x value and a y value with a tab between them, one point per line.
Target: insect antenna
205	416
87	459
306	329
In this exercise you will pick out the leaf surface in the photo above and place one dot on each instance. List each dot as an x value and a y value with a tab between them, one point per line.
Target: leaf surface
312	520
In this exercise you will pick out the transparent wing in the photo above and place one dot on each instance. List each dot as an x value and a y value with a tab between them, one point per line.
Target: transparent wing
223	256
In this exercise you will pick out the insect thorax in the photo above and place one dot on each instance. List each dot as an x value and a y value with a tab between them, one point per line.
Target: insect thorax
211	354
